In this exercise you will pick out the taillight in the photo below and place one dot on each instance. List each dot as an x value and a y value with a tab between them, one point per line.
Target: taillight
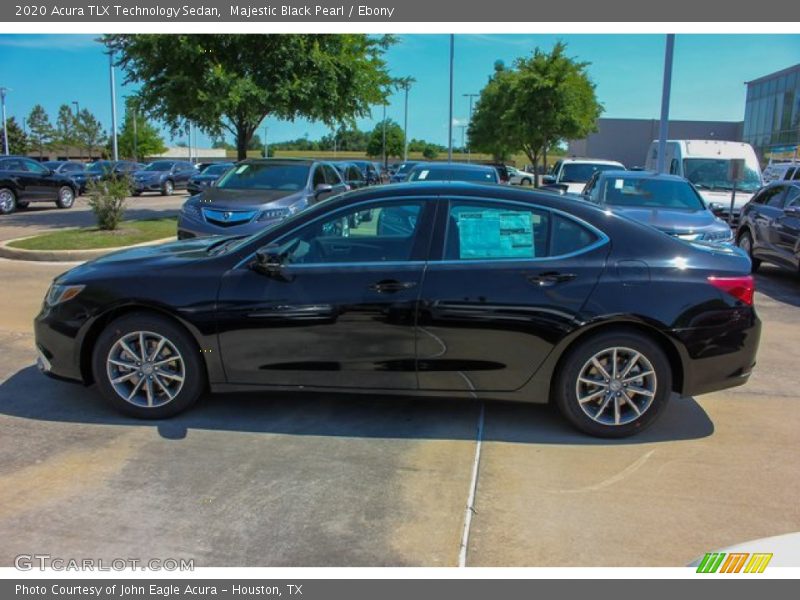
742	287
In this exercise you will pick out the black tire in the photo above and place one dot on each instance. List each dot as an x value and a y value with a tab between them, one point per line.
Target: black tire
526	182
578	358
194	382
23	204
66	197
745	242
136	193
8	201
168	188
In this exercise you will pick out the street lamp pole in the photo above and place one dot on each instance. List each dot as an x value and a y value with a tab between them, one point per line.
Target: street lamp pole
450	120
469	148
5	128
406	85
77	116
135	137
663	127
266	146
384	134
113	106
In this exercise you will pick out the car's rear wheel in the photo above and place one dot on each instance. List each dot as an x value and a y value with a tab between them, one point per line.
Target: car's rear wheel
745	242
66	197
8	201
167	188
614	384
147	366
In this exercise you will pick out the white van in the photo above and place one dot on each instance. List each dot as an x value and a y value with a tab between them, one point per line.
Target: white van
781	171
705	163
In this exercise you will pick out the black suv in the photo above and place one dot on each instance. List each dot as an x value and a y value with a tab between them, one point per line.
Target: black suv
24	180
769	227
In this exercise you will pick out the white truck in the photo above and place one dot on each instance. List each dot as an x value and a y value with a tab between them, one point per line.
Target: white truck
706	163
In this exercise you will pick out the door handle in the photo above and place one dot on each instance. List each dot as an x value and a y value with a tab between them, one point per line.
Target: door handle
390	286
550	278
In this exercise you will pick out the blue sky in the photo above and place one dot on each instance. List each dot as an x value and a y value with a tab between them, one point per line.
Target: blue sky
708	77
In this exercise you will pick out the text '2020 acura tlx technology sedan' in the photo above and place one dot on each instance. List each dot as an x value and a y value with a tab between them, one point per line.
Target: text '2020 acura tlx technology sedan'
451	289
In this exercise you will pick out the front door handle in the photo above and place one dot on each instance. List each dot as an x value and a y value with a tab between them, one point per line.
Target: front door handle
550	278
390	286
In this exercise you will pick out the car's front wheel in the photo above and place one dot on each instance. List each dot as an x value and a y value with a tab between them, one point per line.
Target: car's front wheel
66	197
167	188
8	201
614	384
147	366
745	242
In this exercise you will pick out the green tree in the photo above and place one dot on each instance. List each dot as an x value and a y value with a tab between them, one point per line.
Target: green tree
17	140
430	151
232	82
146	142
536	105
394	140
65	135
90	133
40	129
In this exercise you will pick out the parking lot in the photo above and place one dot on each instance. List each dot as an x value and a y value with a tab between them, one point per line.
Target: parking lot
329	479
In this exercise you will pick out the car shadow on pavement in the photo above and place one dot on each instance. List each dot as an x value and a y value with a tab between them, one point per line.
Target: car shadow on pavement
779	284
29	395
46	217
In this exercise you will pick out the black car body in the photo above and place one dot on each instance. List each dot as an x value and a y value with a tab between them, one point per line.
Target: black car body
206	176
667	202
72	169
496	293
453	172
351	173
24	180
769	226
163	176
256	194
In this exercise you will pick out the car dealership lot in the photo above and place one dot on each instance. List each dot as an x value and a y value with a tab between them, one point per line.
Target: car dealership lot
302	480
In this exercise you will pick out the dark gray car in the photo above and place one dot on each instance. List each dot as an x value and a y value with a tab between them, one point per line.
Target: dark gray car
257	193
667	202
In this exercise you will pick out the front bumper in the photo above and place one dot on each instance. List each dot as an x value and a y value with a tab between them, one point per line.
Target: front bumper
58	335
147	186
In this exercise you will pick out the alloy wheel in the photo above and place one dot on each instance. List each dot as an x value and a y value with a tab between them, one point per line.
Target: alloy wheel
6	201
616	386
145	369
66	196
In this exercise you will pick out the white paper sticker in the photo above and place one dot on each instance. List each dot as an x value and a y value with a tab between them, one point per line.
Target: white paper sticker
423	174
241	169
618	184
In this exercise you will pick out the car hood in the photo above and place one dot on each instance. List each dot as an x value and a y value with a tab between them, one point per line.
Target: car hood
672	220
723	197
145	257
223	199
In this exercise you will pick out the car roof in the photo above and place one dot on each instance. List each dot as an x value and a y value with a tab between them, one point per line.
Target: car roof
454	165
601	161
639	175
287	161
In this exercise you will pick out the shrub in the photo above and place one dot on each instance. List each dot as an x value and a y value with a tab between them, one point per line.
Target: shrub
107	200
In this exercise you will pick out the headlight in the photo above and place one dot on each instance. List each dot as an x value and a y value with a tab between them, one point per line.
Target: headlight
720	235
272	214
61	293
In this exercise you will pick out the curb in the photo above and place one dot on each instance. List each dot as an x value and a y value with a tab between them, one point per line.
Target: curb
8	252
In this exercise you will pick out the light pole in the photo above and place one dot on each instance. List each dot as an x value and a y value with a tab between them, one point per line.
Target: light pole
5	128
266	146
130	104
77	116
384	134
469	149
463	136
113	106
405	83
450	120
663	127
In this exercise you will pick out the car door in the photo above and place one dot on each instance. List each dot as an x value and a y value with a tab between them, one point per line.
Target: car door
41	180
508	285
768	208
182	173
15	170
786	229
341	314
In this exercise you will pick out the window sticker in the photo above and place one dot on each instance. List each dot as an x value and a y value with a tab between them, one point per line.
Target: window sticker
423	174
241	169
618	183
495	234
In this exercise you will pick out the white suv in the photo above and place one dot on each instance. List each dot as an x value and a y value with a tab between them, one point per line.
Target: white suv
518	177
571	174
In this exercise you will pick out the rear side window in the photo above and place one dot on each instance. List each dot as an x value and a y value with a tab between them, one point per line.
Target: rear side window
493	231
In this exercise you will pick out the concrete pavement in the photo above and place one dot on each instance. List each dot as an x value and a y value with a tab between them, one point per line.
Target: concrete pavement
309	480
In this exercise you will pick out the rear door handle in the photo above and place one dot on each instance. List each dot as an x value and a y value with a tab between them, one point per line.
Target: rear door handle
550	278
390	286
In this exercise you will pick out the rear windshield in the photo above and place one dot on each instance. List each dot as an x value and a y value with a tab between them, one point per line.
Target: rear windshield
159	165
650	193
266	176
582	172
453	174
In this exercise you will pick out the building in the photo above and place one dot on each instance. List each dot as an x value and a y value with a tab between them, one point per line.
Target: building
628	140
772	114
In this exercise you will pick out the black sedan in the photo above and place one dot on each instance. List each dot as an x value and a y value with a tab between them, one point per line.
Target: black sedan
769	226
484	291
207	176
23	180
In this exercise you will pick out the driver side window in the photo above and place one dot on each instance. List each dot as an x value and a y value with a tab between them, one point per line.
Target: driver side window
34	167
384	232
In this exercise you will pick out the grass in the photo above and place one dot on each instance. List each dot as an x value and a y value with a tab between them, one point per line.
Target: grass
88	238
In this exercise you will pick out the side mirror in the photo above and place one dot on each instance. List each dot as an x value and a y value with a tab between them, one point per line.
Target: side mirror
271	261
792	211
548	179
322	189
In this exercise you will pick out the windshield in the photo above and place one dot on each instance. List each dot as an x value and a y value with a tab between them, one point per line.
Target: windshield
405	168
453	174
712	174
582	172
215	169
651	193
100	165
266	176
159	165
